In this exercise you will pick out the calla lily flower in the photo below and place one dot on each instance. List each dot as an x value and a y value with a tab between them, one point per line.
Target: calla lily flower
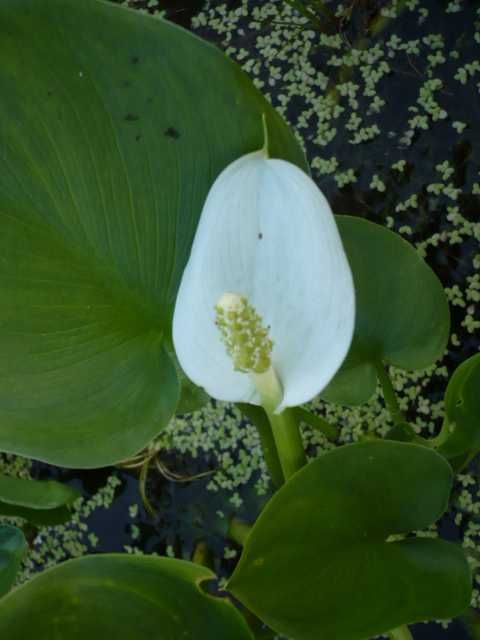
267	294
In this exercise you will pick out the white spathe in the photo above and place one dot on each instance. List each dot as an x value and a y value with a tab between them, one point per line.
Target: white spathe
267	232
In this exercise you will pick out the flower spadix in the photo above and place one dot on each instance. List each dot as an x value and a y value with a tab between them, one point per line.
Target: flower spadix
266	302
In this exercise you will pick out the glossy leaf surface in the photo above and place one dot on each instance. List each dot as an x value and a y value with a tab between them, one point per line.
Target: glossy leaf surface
319	562
402	315
108	152
122	597
12	549
40	502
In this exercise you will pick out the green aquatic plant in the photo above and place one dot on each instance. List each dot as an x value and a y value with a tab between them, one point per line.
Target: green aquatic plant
291	64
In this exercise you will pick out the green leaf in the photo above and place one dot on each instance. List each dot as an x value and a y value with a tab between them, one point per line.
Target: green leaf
319	564
191	397
354	383
121	597
110	139
401	432
402	315
12	549
461	431
41	502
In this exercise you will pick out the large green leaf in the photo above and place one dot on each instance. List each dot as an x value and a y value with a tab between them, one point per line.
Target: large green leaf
461	431
113	126
121	597
318	562
12	549
402	315
41	502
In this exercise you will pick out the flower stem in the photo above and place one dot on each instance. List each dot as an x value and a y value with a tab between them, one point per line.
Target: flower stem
238	531
389	394
288	441
285	426
259	418
316	422
401	633
202	555
443	436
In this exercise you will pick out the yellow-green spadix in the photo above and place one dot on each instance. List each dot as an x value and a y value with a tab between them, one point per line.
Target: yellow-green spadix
267	290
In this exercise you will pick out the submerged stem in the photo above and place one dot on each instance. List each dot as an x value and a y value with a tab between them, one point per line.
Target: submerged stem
401	633
389	394
238	531
202	555
310	15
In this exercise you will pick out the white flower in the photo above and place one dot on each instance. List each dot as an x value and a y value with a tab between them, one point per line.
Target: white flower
268	238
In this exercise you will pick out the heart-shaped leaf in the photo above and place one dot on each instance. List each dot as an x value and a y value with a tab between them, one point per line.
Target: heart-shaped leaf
121	597
113	126
12	549
319	563
41	502
402	315
461	431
